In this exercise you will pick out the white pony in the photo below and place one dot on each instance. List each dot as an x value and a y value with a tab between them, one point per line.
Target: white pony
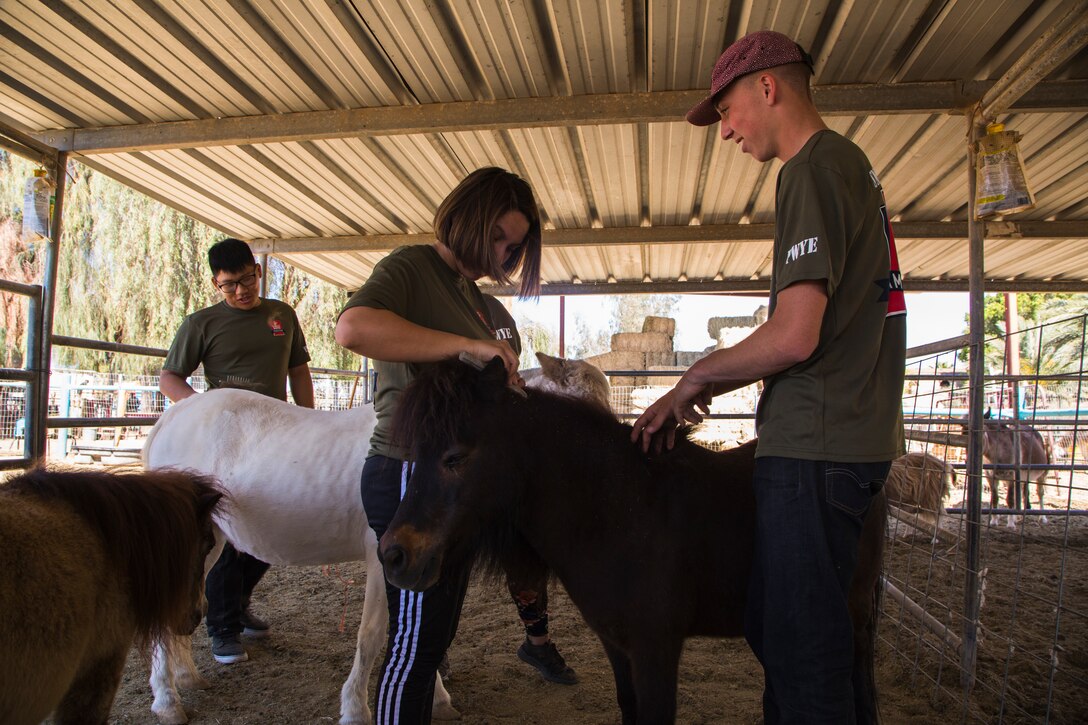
293	478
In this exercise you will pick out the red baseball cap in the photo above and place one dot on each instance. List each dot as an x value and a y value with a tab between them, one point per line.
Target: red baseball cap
756	51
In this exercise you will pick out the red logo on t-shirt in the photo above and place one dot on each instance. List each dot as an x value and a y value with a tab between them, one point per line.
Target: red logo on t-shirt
893	286
277	328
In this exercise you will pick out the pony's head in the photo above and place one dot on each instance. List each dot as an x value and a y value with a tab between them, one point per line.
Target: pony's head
441	419
155	528
576	378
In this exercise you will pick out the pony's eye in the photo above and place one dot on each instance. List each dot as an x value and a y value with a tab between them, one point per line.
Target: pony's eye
453	460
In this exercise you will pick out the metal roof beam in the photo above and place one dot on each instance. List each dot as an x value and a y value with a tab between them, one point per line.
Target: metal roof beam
949	97
1055	46
695	234
20	144
762	286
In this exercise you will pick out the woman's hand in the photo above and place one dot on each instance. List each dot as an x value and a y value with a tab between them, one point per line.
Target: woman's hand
487	349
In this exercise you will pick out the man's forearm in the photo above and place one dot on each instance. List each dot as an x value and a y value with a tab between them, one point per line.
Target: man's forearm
174	387
302	385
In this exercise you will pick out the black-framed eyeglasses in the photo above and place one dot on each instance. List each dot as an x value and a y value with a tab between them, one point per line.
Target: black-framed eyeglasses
245	280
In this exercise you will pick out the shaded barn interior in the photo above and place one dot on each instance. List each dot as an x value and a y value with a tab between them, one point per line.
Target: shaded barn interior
325	133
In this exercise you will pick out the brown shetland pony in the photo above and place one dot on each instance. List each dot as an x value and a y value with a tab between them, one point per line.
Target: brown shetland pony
651	550
90	562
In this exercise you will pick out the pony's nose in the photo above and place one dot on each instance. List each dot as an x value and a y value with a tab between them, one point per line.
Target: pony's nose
393	558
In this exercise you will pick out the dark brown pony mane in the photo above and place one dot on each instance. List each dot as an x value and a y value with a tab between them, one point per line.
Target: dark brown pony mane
149	523
432	408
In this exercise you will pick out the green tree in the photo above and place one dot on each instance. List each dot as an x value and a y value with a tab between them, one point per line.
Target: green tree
130	269
1033	309
629	311
586	342
19	262
1065	336
535	337
20	259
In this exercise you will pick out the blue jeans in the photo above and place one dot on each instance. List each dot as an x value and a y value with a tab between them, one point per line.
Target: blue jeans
809	517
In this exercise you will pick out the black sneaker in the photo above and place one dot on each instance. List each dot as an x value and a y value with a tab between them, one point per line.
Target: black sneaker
546	658
254	626
228	649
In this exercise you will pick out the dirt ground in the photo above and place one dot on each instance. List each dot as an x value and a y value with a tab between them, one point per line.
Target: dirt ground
295	675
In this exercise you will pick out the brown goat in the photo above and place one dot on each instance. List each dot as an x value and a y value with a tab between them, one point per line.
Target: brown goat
919	482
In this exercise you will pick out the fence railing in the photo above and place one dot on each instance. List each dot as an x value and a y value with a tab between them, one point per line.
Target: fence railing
26	402
112	411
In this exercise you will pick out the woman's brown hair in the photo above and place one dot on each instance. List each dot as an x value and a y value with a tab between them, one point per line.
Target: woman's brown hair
466	219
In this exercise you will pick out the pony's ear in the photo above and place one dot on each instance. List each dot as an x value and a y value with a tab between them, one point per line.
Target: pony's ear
552	367
495	370
492	379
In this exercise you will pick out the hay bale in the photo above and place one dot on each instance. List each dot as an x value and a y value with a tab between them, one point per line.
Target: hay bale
686	358
668	380
666	325
660	359
715	325
619	360
641	342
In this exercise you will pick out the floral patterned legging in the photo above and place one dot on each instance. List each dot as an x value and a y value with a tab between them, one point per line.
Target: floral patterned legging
532	605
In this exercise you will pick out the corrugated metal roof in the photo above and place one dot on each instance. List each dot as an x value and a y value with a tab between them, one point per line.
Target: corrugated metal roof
328	132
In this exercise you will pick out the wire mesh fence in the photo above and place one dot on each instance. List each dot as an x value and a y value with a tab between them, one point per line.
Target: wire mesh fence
90	395
1031	663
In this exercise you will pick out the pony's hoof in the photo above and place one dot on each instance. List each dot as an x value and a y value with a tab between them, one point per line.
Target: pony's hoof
445	711
354	711
171	715
362	718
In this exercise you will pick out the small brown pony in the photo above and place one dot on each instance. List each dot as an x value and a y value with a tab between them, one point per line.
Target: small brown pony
89	563
651	550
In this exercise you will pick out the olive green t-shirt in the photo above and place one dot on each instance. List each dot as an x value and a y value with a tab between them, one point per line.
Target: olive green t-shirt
844	403
502	324
248	349
415	283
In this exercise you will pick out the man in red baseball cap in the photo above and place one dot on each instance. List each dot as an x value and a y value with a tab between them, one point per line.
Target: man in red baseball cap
831	358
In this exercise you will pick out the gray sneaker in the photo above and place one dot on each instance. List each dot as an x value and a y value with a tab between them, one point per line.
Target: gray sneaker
254	626
228	649
547	660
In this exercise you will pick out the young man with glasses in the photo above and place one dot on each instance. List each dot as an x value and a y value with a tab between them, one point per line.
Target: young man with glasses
246	342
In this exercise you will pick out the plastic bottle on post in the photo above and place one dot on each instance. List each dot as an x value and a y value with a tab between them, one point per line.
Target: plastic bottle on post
1002	186
38	200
